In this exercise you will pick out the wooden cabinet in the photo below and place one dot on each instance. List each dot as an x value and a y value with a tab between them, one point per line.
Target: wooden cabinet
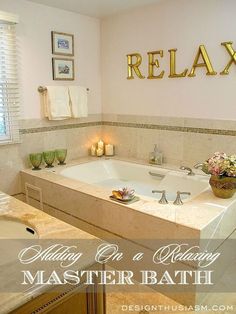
82	300
71	300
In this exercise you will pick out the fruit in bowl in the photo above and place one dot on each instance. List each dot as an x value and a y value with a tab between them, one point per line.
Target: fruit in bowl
124	194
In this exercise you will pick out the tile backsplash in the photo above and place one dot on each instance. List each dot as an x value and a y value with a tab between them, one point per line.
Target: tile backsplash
182	140
76	135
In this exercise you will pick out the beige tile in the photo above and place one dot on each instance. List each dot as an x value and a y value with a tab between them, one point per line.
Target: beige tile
35	123
210	124
124	139
177	147
199	147
146	139
171	144
16	157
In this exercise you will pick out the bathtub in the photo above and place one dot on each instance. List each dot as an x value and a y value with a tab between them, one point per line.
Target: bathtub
114	174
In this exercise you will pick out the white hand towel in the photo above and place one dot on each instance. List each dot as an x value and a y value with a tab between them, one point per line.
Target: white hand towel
57	103
78	101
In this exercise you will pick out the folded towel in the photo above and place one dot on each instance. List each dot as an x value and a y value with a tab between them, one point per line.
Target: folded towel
78	101
57	103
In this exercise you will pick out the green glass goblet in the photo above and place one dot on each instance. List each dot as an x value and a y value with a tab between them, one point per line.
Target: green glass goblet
36	160
61	156
49	158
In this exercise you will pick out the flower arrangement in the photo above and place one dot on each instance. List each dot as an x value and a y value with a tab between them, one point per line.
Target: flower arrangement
124	194
220	165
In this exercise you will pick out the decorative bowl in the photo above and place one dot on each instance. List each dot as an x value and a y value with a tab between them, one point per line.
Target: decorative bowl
222	186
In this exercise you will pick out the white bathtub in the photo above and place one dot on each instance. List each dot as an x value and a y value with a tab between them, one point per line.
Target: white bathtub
114	174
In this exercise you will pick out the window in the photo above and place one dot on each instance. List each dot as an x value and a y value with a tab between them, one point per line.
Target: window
9	97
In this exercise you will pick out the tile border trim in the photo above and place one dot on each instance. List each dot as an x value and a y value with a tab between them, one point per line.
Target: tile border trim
171	128
131	125
60	127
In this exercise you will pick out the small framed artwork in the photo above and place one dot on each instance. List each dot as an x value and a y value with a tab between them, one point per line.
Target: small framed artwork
63	69
62	44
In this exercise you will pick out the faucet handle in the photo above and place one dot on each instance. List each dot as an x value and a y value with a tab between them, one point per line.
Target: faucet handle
178	200
163	199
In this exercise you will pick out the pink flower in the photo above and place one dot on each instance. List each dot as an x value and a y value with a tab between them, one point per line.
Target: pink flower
220	164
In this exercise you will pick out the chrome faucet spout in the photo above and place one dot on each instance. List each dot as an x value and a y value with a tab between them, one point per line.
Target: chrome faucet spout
190	171
198	165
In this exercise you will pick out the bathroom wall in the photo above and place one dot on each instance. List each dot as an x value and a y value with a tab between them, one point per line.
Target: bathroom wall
34	46
182	24
34	42
189	117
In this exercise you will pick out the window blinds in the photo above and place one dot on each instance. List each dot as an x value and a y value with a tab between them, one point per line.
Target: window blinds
9	96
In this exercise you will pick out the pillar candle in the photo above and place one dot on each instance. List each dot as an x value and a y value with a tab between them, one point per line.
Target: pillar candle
99	152
93	150
101	145
109	150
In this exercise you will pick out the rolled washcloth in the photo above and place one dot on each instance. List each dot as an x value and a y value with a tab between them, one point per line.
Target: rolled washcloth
56	103
78	101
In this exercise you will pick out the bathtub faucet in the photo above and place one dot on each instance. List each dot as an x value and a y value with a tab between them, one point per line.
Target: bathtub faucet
190	171
163	199
198	165
178	200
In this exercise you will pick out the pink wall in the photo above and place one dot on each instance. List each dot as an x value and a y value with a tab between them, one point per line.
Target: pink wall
182	24
34	40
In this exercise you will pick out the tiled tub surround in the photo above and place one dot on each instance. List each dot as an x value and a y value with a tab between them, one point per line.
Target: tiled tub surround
47	227
196	219
182	140
80	203
37	135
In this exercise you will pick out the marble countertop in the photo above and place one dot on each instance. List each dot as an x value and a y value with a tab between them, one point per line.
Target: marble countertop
47	227
197	213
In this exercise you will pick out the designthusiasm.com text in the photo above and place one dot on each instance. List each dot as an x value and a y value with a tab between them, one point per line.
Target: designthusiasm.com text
152	308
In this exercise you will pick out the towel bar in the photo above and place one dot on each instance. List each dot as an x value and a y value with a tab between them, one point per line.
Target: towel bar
42	89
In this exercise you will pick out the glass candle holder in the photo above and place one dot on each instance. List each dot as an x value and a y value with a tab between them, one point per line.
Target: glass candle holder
49	158
61	156
36	160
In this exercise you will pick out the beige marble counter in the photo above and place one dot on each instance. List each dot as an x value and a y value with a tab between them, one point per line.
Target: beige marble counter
47	227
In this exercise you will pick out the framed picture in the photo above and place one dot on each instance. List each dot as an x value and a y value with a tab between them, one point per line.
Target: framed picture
62	44
63	69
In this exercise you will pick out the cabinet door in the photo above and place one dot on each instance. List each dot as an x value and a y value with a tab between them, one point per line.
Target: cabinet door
82	300
75	304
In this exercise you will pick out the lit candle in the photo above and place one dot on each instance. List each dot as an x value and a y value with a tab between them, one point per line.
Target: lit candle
99	152
109	150
101	145
93	150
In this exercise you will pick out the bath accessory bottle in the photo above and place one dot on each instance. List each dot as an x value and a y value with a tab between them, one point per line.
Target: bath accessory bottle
156	156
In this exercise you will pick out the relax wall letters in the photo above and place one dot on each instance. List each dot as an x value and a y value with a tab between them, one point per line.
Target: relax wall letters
202	60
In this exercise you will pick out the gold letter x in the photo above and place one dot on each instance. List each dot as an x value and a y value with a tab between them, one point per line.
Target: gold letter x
230	49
